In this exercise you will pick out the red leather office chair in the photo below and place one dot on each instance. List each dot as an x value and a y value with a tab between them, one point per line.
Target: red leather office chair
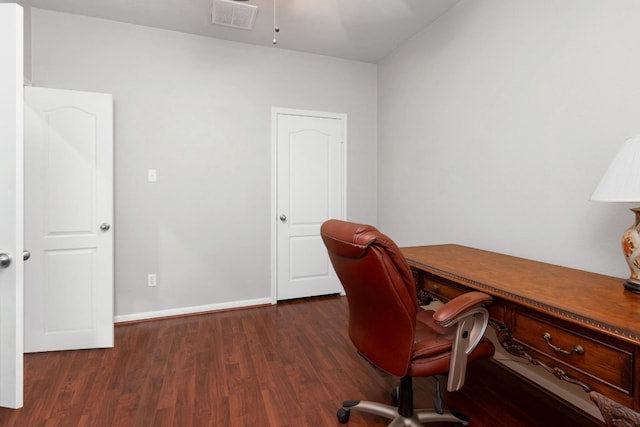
391	331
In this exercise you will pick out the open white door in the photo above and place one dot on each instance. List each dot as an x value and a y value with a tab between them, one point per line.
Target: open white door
68	222
11	206
310	159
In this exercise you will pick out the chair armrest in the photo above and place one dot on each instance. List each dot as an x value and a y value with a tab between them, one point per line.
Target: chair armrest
447	314
470	317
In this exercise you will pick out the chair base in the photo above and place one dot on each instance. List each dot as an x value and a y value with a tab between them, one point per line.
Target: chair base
420	416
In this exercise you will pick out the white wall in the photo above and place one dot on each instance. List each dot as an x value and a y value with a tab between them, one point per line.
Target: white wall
497	122
199	111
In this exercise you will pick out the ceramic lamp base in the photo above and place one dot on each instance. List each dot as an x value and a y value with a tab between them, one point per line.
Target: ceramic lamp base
631	250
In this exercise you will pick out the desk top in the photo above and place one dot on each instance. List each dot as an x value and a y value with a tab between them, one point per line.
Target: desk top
594	301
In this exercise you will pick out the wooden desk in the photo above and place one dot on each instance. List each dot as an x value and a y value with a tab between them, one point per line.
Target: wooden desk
582	327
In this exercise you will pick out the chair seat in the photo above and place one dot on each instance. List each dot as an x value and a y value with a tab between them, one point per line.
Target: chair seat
432	347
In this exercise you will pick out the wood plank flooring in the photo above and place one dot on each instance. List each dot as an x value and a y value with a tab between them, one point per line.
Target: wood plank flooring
285	365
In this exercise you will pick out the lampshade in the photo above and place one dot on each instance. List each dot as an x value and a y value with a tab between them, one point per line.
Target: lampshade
621	182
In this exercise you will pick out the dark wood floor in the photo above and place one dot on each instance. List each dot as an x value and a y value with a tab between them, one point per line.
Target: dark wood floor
284	365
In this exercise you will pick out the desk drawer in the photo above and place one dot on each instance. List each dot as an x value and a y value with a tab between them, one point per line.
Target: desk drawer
441	289
589	357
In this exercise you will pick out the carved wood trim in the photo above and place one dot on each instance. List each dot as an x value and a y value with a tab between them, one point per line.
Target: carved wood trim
424	297
615	414
504	336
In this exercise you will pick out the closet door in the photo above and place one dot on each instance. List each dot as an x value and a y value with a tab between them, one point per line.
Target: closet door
68	219
311	182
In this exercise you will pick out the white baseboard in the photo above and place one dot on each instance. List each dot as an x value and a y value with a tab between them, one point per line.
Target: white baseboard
190	310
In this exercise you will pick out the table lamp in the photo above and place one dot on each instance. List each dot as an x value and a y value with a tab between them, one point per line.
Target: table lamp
621	183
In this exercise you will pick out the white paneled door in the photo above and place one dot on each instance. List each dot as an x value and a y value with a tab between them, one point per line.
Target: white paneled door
69	219
11	266
310	188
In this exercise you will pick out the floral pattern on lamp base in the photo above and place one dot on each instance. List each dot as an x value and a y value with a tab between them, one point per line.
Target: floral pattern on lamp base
631	250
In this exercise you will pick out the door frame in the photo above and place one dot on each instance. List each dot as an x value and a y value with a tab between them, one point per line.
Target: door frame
275	112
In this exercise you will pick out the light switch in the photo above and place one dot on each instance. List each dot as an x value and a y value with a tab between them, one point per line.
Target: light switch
152	176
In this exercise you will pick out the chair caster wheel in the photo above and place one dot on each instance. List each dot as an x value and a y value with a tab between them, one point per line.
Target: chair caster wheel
343	415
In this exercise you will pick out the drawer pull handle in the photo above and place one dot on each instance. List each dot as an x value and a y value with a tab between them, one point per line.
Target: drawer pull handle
577	349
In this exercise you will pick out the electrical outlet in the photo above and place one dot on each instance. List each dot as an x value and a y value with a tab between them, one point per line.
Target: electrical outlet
152	175
151	279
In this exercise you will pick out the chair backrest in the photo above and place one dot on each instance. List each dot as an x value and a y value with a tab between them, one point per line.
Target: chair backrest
380	291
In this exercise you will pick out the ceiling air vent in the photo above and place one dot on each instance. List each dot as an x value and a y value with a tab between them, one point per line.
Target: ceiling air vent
233	14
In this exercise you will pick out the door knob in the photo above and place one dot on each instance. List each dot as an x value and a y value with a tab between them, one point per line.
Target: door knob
5	260
105	226
283	218
26	255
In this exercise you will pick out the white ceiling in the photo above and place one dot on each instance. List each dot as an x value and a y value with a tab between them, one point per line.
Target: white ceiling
362	30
